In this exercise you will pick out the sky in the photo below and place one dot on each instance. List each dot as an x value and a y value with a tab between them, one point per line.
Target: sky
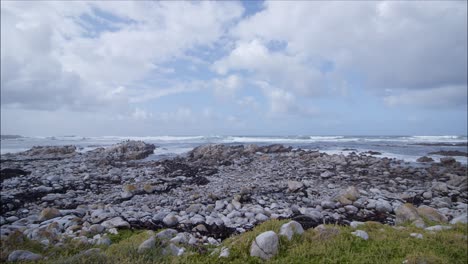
142	68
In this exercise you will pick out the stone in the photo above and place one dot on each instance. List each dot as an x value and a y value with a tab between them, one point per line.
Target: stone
356	224
447	161
406	213
150	243
431	214
261	217
424	159
360	233
173	250
294	186
382	206
23	255
224	252
166	234
219	205
200	228
351	209
116	222
416	235
427	195
96	229
170	220
236	204
265	245
328	205
49	213
327	174
440	187
291	228
438	228
348	196
460	219
193	208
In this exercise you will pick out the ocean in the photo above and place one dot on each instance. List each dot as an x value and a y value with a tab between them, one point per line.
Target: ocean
407	148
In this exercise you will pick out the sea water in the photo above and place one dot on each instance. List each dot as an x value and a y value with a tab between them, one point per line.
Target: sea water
407	148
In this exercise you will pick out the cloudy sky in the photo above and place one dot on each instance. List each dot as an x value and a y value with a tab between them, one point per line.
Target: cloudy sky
234	68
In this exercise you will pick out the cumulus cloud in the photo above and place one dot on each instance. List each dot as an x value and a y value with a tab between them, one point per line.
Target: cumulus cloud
76	54
227	87
393	44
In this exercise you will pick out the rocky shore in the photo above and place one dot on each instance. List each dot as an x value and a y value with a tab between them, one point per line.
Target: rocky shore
53	194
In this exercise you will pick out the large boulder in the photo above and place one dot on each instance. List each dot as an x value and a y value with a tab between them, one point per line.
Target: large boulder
124	151
408	213
348	196
265	245
431	214
290	229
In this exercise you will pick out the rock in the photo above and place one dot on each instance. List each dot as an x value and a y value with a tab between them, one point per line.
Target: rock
170	220
327	174
116	222
447	161
294	186
128	150
406	213
427	195
166	234
50	151
200	228
382	206
49	213
236	204
431	214
219	205
360	233
348	196
416	235
265	245
440	187
173	250
424	159
104	241
150	243
291	228
460	219
351	209
96	229
438	228
261	217
23	255
328	205
356	224
193	208
224	252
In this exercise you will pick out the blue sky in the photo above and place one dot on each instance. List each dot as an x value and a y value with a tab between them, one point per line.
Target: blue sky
230	68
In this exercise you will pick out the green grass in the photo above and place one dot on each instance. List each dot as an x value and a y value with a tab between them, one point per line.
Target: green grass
385	245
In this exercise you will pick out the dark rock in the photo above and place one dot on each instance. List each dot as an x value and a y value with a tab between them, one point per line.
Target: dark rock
447	161
11	173
450	153
424	159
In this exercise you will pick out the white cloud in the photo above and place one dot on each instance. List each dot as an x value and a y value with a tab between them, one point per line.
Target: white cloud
227	87
55	55
390	45
449	96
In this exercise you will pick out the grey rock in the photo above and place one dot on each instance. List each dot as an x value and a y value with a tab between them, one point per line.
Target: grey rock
23	255
265	245
170	220
294	186
460	219
291	228
225	252
116	222
382	206
166	234
148	244
360	233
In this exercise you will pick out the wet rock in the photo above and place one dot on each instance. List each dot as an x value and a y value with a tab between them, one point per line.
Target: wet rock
265	245
425	159
447	161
